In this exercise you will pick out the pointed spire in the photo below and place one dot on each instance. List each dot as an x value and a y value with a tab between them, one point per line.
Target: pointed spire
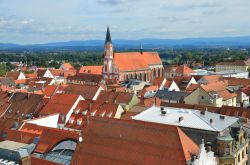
108	36
141	49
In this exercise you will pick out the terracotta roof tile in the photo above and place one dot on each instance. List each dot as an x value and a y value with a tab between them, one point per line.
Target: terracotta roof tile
50	90
109	141
238	63
91	69
220	89
123	60
12	75
184	69
59	103
87	91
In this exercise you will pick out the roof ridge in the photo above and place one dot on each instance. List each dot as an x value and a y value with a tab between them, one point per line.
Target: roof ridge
205	121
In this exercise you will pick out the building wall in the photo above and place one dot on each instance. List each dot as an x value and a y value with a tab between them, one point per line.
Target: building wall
21	76
119	112
174	87
219	68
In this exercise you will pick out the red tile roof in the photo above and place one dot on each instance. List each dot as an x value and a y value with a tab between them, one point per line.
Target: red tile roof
232	81
220	89
86	108
158	81
184	69
50	90
120	142
86	78
57	72
87	91
246	90
123	61
31	75
59	103
67	66
40	161
52	136
4	97
238	63
91	69
71	72
12	75
114	97
212	78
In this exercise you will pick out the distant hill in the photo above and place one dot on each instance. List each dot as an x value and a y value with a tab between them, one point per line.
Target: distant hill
223	42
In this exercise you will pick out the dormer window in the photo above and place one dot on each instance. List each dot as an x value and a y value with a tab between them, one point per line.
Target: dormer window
62	117
77	111
79	121
84	112
71	121
93	113
102	114
110	115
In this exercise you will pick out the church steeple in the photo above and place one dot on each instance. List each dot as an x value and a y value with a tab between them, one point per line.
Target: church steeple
108	36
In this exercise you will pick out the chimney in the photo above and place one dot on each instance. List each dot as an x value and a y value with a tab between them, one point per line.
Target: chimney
203	112
90	105
211	121
222	117
181	119
163	113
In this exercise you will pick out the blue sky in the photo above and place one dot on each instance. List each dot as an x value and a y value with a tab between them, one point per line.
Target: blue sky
41	21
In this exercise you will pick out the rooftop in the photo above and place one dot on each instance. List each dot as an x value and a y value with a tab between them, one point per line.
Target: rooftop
189	118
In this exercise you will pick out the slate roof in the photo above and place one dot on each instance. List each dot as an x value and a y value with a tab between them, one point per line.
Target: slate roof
171	95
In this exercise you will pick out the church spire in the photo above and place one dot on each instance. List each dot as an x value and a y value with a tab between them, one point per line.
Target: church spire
108	36
141	49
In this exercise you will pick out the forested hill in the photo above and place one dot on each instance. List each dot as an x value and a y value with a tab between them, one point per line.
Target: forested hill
223	42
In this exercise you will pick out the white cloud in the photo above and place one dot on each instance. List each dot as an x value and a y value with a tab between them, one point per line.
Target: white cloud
50	20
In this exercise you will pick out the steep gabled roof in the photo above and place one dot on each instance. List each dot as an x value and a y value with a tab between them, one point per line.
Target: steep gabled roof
220	89
124	60
184	69
87	91
59	103
212	78
12	75
91	69
114	97
120	142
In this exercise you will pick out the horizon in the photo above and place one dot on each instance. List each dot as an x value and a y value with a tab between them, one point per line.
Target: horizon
119	39
38	22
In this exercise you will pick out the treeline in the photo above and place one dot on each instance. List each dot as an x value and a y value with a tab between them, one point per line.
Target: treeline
206	56
170	56
53	59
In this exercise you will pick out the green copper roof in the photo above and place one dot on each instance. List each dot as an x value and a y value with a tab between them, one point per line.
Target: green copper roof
108	37
225	138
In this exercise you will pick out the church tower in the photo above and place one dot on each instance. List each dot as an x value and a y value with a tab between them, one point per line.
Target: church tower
110	73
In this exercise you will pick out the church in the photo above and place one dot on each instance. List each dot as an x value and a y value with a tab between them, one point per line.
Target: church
122	66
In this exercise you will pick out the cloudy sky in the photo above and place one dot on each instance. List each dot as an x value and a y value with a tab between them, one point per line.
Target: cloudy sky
41	21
